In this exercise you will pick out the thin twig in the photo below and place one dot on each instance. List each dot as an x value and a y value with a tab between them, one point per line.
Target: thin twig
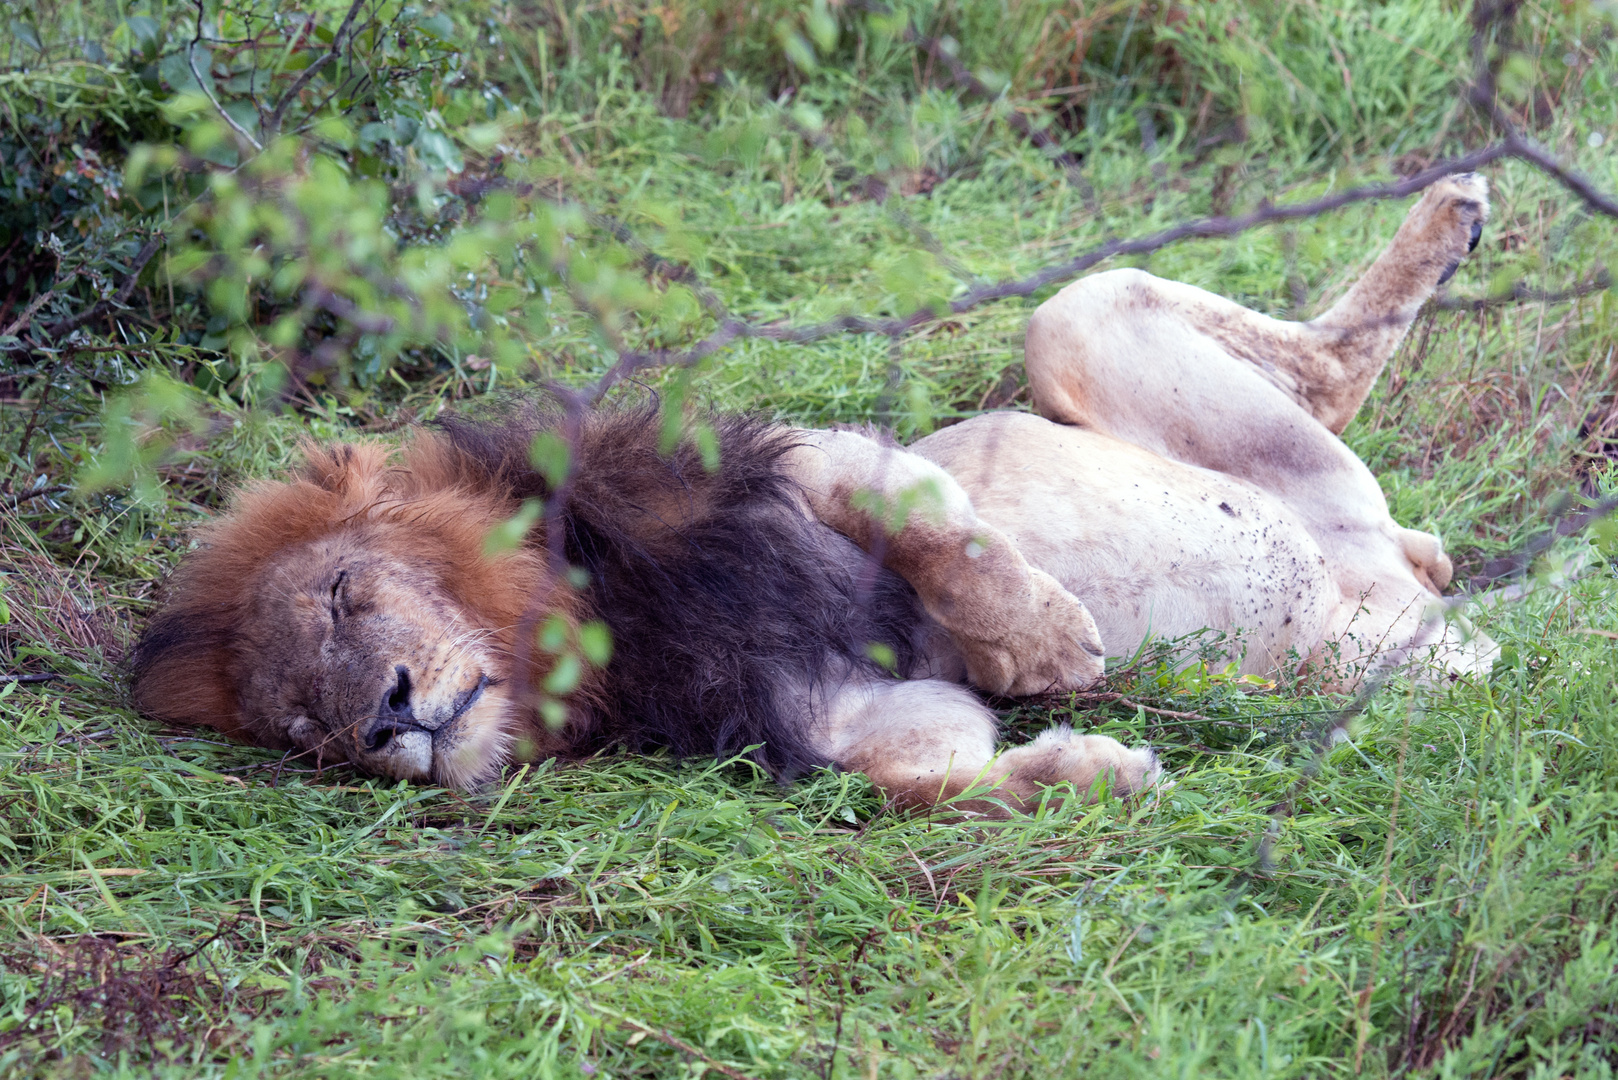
732	330
28	313
1520	146
1523	293
1128	702
47	676
677	1043
33	421
191	62
272	126
1327	736
1565	521
61	329
52	489
1484	96
653	263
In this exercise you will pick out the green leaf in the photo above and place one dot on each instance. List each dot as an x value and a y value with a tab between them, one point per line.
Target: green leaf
708	446
26	34
797	48
440	26
882	654
595	641
553	635
822	27
551	456
435	151
565	676
510	533
554	713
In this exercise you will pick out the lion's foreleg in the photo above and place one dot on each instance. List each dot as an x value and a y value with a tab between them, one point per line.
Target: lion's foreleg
1018	630
927	742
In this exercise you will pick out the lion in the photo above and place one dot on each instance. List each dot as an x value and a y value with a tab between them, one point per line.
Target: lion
829	598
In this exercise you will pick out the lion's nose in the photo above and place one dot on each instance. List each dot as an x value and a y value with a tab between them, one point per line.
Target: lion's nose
397	702
394	716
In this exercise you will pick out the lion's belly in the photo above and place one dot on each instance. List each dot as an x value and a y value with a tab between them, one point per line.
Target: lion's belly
1154	548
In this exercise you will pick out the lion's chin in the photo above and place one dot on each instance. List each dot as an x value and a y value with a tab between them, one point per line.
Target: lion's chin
409	757
475	748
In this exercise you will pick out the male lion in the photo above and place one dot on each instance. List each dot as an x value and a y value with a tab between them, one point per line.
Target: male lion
1187	475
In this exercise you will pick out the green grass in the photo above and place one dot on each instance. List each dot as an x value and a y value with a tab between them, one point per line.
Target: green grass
1433	897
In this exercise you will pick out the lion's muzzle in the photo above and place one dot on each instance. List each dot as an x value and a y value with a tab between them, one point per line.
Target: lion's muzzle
395	741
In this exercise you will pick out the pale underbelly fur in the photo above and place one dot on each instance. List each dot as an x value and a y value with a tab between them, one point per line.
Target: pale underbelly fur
1155	548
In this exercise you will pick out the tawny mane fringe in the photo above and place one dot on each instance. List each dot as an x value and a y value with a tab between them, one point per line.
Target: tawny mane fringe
190	658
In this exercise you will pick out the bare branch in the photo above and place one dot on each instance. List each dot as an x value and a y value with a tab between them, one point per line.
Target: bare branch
191	62
959	270
1484	96
50	489
1522	147
272	127
27	316
732	330
654	263
1565	520
365	321
1522	293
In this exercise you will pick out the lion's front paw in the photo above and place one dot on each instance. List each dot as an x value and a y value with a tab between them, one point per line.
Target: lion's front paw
1061	756
1053	645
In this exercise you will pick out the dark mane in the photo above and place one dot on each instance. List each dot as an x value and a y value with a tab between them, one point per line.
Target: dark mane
728	606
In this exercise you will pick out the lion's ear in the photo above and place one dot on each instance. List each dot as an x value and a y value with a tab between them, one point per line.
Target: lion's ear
345	469
182	673
324	465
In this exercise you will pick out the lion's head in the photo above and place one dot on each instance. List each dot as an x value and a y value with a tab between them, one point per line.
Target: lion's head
353	612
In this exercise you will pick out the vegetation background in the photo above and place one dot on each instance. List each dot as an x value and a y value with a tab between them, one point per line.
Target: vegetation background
226	226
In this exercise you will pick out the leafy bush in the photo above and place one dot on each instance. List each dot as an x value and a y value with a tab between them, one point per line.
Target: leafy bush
62	209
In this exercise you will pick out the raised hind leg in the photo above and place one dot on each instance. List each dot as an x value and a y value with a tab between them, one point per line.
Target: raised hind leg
1325	366
1198	379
